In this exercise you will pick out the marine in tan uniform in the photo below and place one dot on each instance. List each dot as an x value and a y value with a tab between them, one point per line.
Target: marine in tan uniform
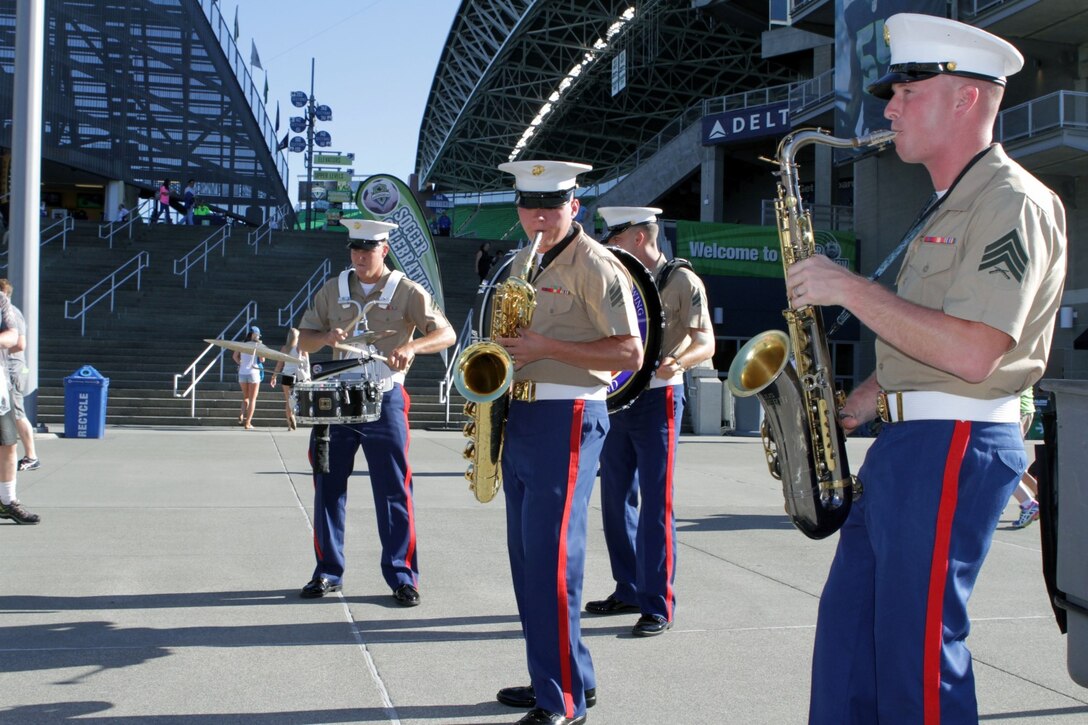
372	297
640	450
969	329
584	326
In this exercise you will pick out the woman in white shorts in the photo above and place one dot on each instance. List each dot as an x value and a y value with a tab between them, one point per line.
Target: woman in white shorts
291	373
250	373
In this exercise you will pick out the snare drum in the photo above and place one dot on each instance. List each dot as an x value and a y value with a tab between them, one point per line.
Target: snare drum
337	401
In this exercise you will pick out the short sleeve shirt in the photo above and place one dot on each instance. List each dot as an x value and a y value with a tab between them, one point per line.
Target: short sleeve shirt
995	253
411	308
684	301
17	360
583	295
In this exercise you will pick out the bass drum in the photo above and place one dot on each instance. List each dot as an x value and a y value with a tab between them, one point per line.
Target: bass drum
626	385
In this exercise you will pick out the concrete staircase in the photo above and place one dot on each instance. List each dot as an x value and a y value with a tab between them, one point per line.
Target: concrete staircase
156	332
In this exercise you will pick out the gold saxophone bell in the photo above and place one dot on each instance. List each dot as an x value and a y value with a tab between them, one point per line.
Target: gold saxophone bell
803	441
484	374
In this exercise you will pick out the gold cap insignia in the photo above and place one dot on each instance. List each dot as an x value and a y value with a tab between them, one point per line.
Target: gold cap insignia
537	170
887	36
950	65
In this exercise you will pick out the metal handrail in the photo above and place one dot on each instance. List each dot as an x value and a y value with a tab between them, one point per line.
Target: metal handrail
254	237
444	387
110	229
142	261
247	315
838	217
202	251
66	225
1061	109
286	314
801	96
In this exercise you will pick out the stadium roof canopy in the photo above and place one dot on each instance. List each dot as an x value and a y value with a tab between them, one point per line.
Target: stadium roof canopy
505	59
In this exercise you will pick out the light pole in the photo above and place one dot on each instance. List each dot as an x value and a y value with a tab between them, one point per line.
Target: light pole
314	113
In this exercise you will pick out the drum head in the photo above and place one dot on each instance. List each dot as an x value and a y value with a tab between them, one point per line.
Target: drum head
627	385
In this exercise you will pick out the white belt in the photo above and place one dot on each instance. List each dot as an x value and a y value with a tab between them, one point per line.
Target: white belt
657	382
927	405
528	391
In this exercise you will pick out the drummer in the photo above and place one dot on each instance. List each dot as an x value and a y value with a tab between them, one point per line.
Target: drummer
402	307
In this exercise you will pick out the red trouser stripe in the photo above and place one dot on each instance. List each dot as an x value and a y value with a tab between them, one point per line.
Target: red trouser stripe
563	607
409	504
317	544
670	453
938	575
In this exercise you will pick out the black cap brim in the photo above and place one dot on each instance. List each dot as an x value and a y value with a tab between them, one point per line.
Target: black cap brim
543	199
882	88
363	244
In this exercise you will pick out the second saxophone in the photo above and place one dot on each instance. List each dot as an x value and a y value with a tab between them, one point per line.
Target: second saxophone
803	440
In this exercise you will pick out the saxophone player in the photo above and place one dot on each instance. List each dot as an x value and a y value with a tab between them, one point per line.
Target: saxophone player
584	326
968	328
640	450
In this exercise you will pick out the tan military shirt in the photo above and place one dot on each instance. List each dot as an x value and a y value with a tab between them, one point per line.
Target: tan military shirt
582	296
994	252
410	309
685	304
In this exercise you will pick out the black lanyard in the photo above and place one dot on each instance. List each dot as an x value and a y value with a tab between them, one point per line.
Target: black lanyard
932	205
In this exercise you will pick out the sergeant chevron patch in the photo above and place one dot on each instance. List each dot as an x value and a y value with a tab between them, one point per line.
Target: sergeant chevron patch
615	294
1006	257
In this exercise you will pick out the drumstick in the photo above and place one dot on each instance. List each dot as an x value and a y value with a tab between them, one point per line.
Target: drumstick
359	351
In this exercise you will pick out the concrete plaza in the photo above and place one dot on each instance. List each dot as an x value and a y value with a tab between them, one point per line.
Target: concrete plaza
162	586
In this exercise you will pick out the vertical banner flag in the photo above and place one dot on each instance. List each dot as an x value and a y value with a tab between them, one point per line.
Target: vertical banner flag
237	30
388	199
862	56
254	59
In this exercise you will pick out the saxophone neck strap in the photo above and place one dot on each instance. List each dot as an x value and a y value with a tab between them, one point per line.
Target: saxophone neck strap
932	205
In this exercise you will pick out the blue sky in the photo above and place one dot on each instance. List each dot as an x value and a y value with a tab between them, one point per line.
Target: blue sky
375	60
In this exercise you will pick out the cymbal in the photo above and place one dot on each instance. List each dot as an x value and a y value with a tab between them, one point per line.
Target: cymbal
370	336
255	348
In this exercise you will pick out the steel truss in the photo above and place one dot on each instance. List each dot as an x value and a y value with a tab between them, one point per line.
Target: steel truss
504	58
140	90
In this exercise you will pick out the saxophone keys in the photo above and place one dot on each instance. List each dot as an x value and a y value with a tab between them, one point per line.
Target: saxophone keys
470	476
470	429
469	409
470	452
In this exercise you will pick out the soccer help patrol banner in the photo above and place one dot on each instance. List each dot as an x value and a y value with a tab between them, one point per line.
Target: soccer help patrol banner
741	250
386	198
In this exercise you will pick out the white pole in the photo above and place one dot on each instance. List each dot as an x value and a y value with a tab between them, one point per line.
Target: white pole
26	160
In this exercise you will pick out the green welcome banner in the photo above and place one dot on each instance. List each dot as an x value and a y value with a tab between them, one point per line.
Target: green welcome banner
742	250
388	199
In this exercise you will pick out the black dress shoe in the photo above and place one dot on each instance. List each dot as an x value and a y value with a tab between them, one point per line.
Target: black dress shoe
406	595
650	626
524	698
610	606
537	716
318	587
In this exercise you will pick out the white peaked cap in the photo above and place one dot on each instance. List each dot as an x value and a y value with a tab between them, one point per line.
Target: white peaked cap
368	230
925	45
615	216
544	176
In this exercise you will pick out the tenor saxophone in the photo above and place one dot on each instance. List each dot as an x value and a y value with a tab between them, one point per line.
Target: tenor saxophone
484	374
802	438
